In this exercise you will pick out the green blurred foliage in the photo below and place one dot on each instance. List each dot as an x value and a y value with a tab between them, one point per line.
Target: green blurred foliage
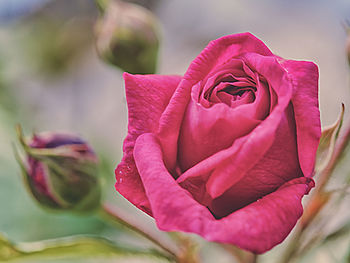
52	45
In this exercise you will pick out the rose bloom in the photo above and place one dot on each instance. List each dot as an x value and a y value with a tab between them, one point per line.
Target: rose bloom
228	150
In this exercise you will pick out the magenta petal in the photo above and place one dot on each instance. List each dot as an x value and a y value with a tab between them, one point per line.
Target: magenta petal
228	166
202	132
147	96
278	166
215	54
257	227
304	76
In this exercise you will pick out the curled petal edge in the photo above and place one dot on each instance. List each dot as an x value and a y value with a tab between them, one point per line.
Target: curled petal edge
147	97
257	227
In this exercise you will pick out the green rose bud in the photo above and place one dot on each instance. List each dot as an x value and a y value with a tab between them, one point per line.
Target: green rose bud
127	37
61	171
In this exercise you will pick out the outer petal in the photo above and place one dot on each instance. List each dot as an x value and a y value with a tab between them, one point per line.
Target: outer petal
278	166
258	227
304	76
147	96
215	54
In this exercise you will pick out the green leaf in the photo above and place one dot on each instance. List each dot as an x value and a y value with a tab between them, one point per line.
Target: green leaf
327	143
71	247
7	250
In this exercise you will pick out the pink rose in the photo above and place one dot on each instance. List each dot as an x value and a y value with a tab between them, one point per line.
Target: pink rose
228	150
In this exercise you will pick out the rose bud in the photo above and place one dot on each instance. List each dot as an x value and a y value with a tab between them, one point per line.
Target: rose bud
127	37
61	171
228	150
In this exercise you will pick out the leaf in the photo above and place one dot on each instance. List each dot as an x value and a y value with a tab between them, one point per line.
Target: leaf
72	247
7	250
327	142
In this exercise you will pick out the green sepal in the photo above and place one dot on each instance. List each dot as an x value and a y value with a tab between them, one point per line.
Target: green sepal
72	180
327	142
42	199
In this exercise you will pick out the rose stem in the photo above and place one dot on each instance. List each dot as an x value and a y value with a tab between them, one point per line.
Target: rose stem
114	215
321	183
187	246
253	258
240	255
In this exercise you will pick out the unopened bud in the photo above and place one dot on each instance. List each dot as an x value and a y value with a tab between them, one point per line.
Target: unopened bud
60	171
127	37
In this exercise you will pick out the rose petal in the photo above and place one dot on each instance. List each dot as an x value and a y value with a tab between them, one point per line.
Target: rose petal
204	131
216	53
279	165
147	96
257	227
228	166
234	69
304	76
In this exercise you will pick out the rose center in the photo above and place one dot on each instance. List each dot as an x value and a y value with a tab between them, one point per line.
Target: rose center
236	92
230	90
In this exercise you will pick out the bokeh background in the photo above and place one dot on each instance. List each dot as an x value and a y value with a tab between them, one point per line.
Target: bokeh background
51	78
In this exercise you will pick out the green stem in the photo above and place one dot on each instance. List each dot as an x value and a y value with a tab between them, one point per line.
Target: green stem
72	247
188	248
118	216
254	258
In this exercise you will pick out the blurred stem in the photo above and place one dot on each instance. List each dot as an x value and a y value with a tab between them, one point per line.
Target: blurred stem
317	194
114	215
188	248
71	247
102	4
240	255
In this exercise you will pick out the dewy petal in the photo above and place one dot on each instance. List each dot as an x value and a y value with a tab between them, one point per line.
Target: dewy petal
257	227
215	54
147	96
304	76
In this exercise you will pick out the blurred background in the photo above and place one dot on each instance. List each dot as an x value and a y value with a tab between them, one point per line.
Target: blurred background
51	78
